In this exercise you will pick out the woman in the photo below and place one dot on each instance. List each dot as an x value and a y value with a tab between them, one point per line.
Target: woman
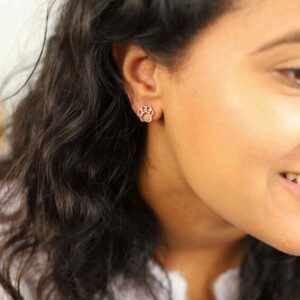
158	136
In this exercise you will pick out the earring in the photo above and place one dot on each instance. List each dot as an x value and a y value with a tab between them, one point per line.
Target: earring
146	109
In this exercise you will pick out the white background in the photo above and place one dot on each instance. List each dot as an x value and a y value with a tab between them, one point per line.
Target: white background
22	26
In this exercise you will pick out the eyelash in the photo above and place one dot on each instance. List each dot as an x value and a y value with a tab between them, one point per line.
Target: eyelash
288	79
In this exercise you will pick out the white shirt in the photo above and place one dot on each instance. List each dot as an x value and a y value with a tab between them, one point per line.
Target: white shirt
224	287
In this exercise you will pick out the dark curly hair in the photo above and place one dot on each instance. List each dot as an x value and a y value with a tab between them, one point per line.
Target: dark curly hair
76	148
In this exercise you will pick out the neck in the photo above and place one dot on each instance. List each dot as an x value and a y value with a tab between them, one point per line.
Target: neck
195	240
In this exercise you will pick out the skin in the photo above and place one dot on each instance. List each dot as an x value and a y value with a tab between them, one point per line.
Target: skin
225	125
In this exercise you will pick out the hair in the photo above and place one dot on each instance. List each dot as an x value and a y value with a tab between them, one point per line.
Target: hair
77	147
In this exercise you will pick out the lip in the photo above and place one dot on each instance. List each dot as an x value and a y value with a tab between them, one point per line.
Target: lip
294	187
293	172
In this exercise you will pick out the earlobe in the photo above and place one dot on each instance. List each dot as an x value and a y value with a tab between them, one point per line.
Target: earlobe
139	78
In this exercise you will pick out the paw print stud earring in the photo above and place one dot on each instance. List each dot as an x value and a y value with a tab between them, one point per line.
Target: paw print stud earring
146	110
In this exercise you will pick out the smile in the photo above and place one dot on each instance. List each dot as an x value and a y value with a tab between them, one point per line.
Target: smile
291	181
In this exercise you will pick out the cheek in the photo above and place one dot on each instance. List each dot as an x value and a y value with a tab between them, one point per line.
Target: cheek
214	149
220	139
228	144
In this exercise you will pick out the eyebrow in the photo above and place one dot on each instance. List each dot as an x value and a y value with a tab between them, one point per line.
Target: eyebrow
291	37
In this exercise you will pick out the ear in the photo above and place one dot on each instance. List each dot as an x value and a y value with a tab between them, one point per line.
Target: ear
140	77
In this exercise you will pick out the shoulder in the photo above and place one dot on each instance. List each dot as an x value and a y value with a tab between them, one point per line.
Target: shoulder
10	200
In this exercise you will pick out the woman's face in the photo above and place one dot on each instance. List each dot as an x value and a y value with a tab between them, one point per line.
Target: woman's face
233	120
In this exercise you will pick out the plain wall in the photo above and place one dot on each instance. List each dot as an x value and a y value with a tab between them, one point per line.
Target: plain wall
22	26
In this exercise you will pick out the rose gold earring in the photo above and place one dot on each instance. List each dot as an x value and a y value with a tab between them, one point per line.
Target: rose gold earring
146	109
